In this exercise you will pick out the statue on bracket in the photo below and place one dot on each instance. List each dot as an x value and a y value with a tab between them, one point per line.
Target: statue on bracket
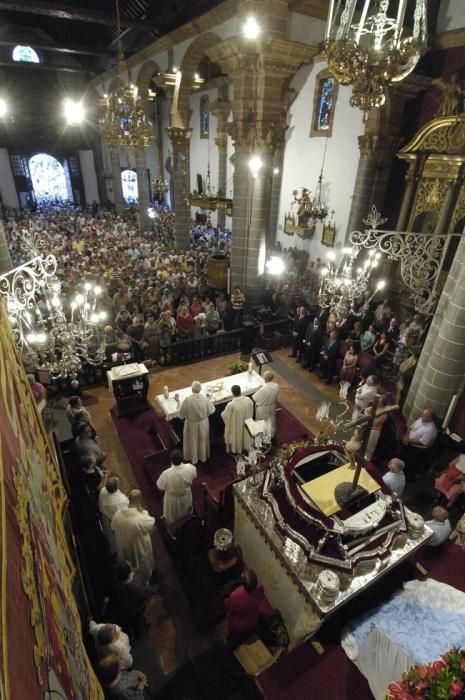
451	100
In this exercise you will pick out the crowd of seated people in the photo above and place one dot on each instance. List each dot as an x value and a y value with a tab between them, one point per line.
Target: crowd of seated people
153	295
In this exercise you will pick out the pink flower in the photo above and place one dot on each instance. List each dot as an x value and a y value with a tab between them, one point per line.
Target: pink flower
420	686
436	667
456	688
462	665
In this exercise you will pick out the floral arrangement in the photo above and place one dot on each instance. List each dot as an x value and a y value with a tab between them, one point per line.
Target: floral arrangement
238	367
443	679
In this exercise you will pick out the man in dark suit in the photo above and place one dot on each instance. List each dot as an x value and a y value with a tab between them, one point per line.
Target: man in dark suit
298	332
313	338
329	357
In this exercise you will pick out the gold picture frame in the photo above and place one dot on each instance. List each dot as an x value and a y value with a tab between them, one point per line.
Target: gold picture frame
328	235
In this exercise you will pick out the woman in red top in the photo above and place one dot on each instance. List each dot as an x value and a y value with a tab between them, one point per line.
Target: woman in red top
184	324
243	609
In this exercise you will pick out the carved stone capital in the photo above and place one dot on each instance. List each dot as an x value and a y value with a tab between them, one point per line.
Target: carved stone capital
179	136
368	145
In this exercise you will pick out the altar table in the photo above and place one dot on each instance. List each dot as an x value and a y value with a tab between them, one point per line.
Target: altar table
219	390
280	543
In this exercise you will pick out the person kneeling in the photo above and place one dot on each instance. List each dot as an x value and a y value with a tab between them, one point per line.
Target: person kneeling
243	609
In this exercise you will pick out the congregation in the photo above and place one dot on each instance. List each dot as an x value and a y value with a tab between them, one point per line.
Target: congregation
155	296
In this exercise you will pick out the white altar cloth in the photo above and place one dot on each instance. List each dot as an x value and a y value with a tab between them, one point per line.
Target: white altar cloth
249	383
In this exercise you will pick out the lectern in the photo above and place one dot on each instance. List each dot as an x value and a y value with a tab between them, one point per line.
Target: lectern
129	385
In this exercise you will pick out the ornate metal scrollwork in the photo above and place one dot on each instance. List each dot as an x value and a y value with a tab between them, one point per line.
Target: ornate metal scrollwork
420	254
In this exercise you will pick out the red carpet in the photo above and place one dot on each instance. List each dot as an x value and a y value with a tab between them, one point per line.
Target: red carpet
303	674
137	438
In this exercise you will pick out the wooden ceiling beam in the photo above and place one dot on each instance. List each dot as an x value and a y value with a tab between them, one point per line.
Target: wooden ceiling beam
61	48
68	12
44	66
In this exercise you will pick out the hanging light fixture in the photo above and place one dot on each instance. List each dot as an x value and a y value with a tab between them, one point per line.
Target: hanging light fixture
373	43
342	282
319	209
123	121
51	331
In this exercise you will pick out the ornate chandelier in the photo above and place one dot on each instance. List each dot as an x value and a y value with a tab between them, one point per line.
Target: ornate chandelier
51	332
123	121
342	281
368	48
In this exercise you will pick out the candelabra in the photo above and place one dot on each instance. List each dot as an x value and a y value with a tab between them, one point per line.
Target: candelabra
52	332
342	282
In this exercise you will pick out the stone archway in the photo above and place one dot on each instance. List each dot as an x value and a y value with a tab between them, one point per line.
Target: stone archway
195	52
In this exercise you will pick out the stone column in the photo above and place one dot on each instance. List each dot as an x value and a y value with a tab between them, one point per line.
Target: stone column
441	367
142	188
222	143
250	220
378	146
116	176
180	140
409	192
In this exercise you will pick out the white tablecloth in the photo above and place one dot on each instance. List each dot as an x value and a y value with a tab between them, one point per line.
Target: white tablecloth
249	383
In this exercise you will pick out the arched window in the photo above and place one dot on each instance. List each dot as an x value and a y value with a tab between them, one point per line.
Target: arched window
25	54
129	182
324	104
48	178
204	117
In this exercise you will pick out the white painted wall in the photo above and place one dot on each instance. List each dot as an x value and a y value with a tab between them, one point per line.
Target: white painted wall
451	16
7	182
303	158
89	176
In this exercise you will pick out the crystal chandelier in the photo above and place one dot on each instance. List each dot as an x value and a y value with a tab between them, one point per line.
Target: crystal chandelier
342	281
51	332
368	48
123	121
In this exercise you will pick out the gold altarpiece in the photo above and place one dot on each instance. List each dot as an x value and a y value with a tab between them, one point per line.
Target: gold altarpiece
434	192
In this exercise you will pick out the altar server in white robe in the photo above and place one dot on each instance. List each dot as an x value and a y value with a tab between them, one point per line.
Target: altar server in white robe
238	410
176	482
195	410
110	501
265	400
133	526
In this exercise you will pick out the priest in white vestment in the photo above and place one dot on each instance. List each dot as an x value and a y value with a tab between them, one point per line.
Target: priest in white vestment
133	526
110	501
265	400
195	410
176	482
238	410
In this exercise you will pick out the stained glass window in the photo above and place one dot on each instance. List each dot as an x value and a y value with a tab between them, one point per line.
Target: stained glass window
325	104
129	182
25	54
48	178
204	117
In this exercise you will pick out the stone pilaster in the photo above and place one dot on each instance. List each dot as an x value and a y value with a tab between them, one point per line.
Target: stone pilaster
378	146
441	368
180	140
276	183
116	176
142	188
